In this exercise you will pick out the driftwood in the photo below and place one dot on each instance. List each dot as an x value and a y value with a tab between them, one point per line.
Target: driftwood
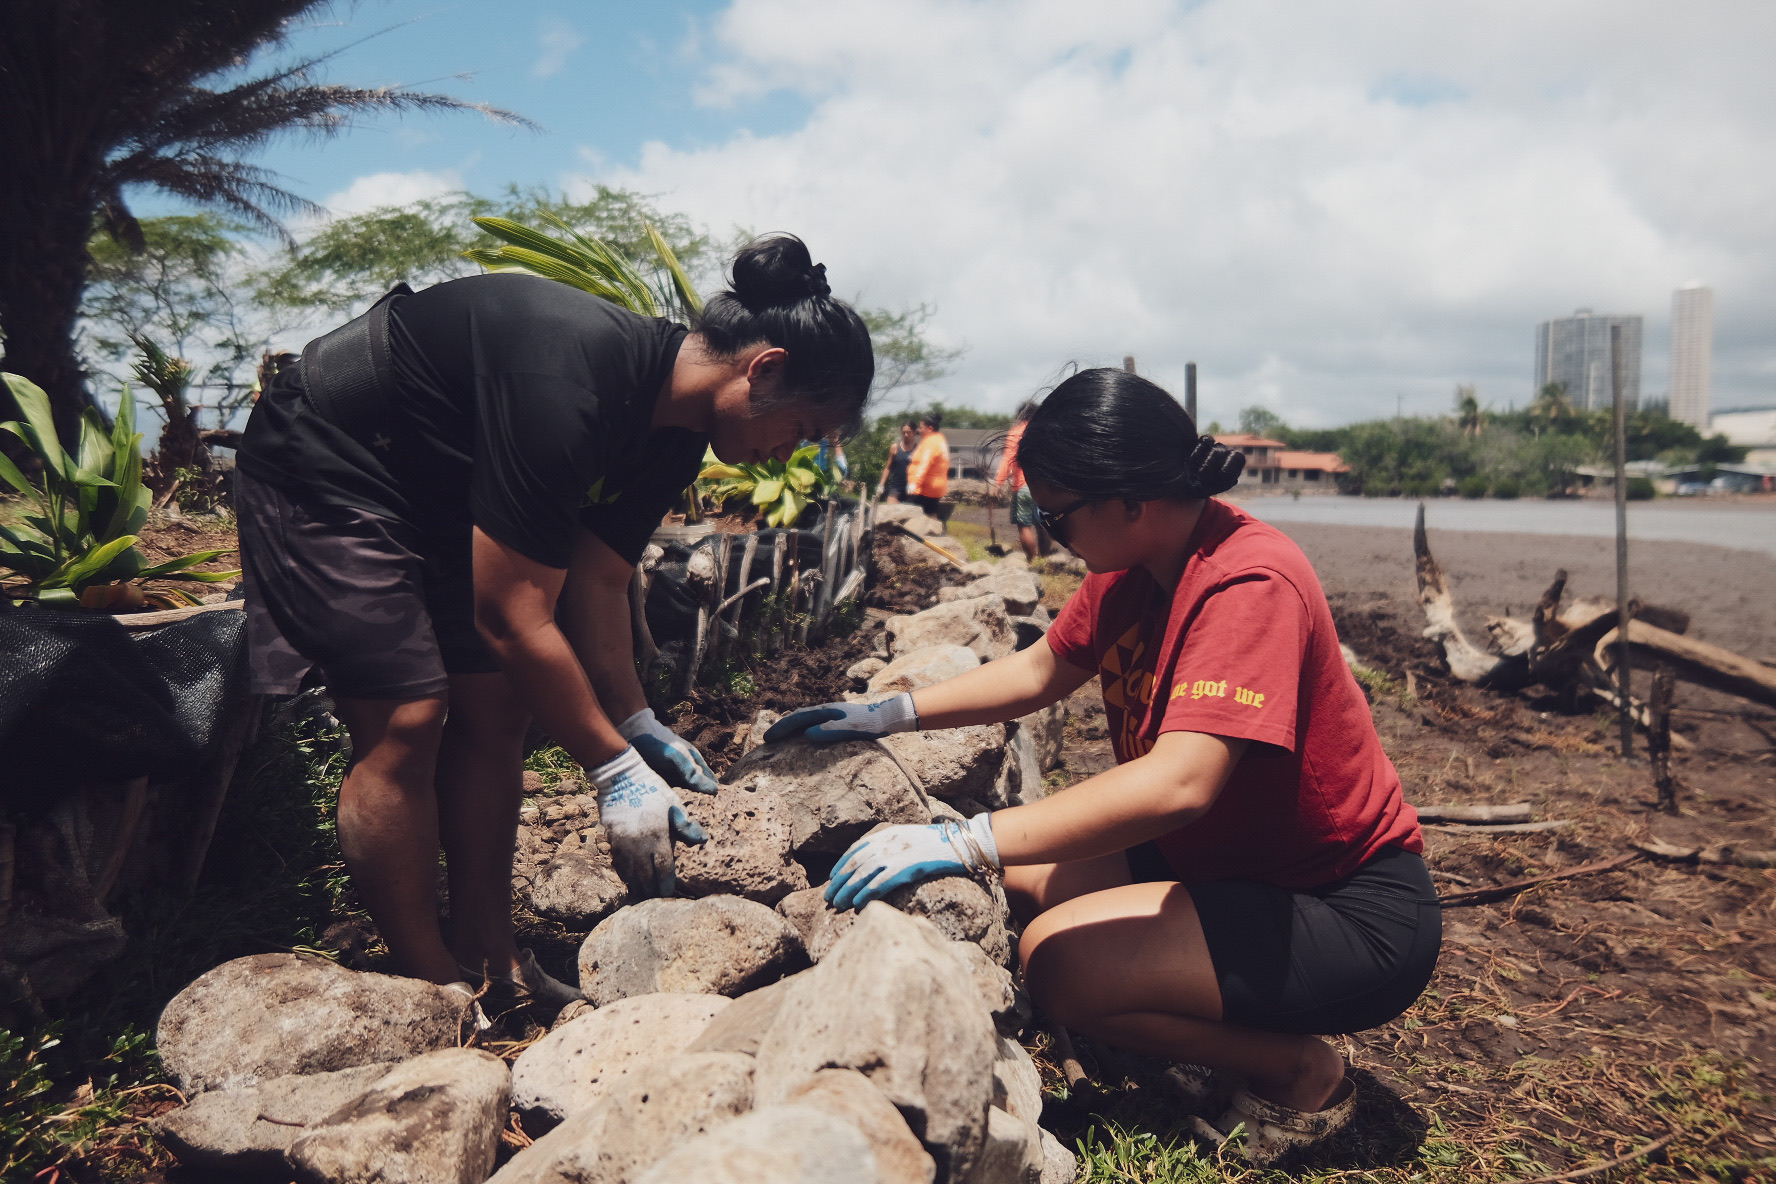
1729	856
1513	828
1572	649
1501	891
1515	812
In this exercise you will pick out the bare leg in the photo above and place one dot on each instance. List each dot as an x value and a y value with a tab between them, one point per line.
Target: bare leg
480	783
388	826
1128	964
1027	539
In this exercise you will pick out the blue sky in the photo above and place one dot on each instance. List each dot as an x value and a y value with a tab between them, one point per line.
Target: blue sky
1333	208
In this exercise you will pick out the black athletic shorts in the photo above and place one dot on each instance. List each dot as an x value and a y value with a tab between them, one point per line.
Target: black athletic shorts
380	610
1345	957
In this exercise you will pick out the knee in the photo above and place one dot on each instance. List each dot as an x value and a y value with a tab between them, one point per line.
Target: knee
397	740
1051	974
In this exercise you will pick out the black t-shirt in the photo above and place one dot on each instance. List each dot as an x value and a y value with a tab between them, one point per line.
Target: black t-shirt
521	405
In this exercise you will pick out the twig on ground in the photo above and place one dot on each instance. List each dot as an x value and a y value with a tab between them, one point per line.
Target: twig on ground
1580	1173
1070	1066
1501	891
1515	812
1516	828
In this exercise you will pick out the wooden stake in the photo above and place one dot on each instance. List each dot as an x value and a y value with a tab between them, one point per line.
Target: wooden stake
1659	738
1623	614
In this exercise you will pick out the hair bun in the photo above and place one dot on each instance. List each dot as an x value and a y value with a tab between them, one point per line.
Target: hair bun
777	271
1216	467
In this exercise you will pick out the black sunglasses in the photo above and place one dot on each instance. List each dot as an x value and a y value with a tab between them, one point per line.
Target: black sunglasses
1051	519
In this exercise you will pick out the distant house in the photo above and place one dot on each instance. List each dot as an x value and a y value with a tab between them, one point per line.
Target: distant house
1272	463
974	452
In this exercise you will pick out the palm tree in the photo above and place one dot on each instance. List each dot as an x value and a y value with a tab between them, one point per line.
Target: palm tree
99	96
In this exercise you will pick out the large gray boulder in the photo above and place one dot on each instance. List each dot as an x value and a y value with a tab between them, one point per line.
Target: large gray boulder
650	1112
892	1002
719	945
1046	726
246	1131
1017	1083
980	624
747	853
819	925
1059	1165
578	1063
960	908
577	888
1022	771
1011	1153
954	763
1016	588
835	792
923	667
1009	1006
847	1095
788	1144
433	1120
272	1015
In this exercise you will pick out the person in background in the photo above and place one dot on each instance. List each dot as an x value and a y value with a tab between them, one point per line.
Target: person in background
1011	475
893	485
831	458
1249	875
928	472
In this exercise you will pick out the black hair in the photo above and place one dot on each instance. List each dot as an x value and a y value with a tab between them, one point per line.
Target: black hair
1109	435
779	295
934	418
1024	411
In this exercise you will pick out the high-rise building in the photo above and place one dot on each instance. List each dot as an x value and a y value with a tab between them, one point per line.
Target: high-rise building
1692	345
1575	352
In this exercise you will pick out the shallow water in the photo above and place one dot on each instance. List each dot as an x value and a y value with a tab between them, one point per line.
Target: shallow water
1745	527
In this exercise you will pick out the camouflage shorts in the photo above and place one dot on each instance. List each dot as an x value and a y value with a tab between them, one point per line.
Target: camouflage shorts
358	597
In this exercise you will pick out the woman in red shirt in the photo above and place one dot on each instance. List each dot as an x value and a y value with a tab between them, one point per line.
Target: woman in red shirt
1249	876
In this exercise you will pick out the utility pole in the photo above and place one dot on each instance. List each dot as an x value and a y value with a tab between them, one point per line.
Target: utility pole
1623	681
1128	363
1190	393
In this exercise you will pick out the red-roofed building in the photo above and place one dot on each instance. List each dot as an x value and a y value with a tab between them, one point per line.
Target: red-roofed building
1270	462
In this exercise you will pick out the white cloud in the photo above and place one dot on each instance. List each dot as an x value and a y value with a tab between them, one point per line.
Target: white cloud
1325	205
391	189
556	40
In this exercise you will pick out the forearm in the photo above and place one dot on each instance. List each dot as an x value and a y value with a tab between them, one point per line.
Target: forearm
548	678
596	622
1002	690
1171	786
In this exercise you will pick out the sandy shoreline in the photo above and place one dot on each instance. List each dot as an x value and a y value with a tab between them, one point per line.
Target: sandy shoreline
1729	594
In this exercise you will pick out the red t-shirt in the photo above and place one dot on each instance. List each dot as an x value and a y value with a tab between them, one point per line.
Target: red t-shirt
1246	648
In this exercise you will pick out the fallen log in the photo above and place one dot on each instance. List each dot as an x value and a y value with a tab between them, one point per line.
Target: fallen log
1515	812
1695	661
1723	855
1515	828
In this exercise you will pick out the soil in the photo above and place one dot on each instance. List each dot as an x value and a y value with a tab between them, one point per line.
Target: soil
1582	1017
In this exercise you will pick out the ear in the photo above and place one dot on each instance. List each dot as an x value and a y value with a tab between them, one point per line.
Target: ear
767	365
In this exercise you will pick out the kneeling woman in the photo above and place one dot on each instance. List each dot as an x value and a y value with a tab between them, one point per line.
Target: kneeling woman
1249	874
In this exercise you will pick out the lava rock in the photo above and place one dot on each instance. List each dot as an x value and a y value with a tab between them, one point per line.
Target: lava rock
747	854
847	1095
835	792
954	762
923	667
247	1130
980	624
1011	1153
788	1144
719	945
742	1027
272	1015
577	888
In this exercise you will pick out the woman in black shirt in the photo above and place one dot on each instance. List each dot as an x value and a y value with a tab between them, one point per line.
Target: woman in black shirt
440	508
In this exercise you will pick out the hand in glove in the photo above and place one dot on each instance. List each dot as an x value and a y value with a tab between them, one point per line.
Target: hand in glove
667	753
832	722
899	855
642	816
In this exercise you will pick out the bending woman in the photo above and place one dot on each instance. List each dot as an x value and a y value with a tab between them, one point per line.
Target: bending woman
441	507
1248	876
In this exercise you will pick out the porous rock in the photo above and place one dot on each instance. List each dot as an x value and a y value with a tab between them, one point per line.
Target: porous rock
648	1113
889	1001
577	888
747	854
788	1144
433	1120
860	672
889	512
835	792
922	524
761	723
247	1130
1021	773
980	624
271	1015
1015	588
819	924
961	909
719	945
954	762
1009	1006
926	666
742	1027
1059	1165
847	1095
1011	1153
578	1063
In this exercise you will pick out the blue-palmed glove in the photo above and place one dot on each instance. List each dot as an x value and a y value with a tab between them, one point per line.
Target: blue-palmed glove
669	754
642	816
832	722
899	855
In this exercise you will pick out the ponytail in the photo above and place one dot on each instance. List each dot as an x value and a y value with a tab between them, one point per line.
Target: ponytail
1109	435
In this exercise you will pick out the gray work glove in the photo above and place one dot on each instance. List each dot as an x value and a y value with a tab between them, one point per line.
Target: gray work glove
670	755
642	816
831	722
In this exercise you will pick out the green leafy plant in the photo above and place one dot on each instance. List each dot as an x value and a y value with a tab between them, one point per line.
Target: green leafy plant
780	490
79	548
590	265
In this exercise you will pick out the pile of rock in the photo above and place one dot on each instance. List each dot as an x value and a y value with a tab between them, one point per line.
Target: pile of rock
743	1031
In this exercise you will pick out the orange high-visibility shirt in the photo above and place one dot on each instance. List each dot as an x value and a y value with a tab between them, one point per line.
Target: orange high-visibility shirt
928	470
1008	461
